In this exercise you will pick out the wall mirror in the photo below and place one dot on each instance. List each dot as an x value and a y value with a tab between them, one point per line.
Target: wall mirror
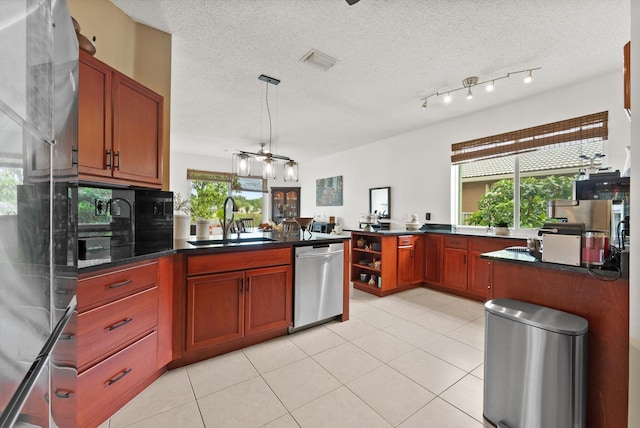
380	201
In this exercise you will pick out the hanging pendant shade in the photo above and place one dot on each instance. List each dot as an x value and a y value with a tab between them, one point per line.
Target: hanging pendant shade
269	167
291	171
242	164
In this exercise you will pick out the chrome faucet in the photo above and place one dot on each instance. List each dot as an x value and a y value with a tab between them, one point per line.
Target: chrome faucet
226	226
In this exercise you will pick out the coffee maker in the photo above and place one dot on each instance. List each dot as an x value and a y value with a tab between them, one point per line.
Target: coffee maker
602	206
609	186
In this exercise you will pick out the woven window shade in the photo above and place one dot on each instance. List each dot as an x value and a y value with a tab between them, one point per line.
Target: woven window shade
250	184
589	128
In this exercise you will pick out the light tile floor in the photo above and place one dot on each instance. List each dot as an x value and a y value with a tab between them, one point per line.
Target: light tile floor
412	359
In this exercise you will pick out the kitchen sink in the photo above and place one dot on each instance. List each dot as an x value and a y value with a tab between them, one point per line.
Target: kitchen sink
248	240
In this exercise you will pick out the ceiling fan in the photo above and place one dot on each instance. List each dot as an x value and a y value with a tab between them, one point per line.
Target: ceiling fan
352	2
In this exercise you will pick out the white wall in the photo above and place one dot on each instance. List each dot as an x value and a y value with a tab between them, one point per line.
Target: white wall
417	164
180	162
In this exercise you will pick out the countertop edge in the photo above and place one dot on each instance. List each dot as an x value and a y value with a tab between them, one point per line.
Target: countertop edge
441	232
181	246
527	259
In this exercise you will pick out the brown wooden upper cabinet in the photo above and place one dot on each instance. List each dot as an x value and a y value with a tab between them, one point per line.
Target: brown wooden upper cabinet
119	127
285	203
627	76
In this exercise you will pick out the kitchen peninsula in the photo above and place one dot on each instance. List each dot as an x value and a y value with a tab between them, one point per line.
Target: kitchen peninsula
441	259
601	299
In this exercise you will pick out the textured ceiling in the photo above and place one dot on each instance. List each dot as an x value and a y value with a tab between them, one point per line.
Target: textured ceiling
390	54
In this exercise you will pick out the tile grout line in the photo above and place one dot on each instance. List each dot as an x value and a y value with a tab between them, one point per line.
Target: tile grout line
195	398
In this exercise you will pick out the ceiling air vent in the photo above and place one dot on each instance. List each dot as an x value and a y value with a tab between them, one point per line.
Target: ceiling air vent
318	60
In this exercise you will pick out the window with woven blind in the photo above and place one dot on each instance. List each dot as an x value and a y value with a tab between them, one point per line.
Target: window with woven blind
509	178
579	130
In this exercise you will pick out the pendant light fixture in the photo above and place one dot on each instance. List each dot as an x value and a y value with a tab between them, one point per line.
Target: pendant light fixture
264	163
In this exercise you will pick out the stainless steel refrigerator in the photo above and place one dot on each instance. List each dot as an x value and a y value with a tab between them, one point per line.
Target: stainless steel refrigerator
38	192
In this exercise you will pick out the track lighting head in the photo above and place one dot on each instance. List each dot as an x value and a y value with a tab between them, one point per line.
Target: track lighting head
529	78
447	98
469	94
490	86
424	104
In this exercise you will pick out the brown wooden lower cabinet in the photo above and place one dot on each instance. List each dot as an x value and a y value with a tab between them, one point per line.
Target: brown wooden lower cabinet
220	305
605	305
224	307
454	266
453	262
410	259
108	385
122	320
433	258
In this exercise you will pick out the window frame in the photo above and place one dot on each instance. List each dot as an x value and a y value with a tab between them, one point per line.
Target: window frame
570	132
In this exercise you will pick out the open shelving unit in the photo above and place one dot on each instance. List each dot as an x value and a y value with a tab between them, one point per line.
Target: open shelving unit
367	248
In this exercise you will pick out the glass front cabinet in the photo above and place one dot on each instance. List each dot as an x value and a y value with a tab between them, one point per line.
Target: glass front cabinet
285	203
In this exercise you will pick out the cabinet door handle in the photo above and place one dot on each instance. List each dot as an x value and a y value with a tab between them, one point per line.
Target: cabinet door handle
66	394
119	324
120	376
117	155
74	156
66	336
465	259
108	163
248	284
241	286
119	284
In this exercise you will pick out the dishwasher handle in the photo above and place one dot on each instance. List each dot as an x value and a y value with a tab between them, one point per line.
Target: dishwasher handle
317	255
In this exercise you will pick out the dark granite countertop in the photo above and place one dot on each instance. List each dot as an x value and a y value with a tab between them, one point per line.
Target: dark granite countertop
479	233
247	242
526	258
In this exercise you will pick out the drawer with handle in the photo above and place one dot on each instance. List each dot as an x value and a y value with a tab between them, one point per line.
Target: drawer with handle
455	242
405	240
107	329
106	382
103	288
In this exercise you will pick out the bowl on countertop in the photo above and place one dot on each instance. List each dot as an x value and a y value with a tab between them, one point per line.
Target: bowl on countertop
413	226
304	222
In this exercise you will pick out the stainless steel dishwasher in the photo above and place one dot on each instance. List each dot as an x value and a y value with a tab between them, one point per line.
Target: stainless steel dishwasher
317	293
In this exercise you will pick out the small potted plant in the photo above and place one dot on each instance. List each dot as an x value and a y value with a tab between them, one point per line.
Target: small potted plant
501	228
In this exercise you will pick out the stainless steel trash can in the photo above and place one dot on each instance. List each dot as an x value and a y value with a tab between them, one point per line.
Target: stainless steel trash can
535	366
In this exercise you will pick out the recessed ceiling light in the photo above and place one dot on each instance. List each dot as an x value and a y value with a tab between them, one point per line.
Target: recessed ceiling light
318	60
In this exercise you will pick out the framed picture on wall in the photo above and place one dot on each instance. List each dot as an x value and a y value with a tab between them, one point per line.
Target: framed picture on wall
329	191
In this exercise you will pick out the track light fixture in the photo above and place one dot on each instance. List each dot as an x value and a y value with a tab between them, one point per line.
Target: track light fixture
470	82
